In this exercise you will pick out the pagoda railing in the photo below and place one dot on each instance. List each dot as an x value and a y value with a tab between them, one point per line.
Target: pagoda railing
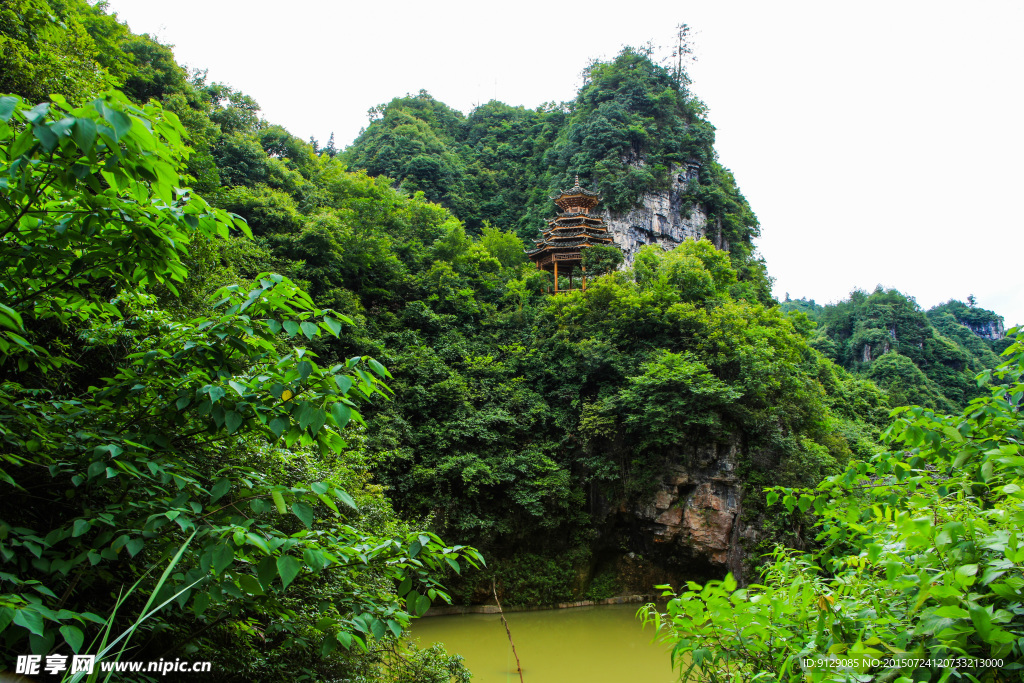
569	222
572	233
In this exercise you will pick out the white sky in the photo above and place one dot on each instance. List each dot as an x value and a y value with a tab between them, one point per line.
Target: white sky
878	142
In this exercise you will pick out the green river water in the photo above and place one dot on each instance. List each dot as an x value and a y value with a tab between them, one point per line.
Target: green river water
600	644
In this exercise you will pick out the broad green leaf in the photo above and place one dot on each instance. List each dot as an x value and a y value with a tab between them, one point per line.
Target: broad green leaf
84	134
30	619
278	425
288	568
422	605
73	636
341	414
222	486
304	513
223	556
333	325
377	368
345	498
7	107
250	584
233	420
266	571
982	620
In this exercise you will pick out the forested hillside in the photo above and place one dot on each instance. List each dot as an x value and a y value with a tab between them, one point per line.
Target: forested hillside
279	398
927	358
632	126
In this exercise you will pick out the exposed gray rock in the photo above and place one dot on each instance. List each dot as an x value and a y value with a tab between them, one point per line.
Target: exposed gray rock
660	219
991	330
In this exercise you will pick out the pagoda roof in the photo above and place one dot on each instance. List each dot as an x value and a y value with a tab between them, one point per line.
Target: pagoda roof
576	191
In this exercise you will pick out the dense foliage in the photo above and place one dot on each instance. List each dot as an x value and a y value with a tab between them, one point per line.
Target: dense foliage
918	573
136	434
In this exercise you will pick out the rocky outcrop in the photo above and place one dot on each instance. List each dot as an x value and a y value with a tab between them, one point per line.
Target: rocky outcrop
991	330
697	508
661	218
690	526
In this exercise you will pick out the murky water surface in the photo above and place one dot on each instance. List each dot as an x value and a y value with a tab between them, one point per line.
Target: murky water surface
601	644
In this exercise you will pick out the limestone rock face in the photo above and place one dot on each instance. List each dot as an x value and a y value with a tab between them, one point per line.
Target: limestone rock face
659	219
698	510
991	330
695	513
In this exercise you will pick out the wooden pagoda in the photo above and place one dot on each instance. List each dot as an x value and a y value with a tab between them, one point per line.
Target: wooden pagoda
571	231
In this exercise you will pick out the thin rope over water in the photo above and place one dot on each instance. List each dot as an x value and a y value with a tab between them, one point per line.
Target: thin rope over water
519	667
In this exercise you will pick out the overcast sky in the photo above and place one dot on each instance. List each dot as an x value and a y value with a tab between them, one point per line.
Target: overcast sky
878	142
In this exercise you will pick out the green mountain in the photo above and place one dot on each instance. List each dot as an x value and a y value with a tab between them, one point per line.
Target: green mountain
926	358
286	373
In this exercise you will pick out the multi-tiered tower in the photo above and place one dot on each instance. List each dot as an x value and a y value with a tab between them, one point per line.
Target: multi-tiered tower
568	233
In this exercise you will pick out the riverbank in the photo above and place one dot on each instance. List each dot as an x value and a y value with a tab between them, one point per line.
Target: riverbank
446	610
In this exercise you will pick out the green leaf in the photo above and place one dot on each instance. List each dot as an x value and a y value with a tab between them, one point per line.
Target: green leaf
304	513
981	619
422	605
345	639
218	490
30	619
7	107
73	636
279	502
84	134
233	420
377	628
346	499
333	325
288	568
314	558
290	327
344	383
341	414
278	425
81	526
118	120
964	574
377	368
200	603
266	570
309	329
223	555
134	546
250	584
